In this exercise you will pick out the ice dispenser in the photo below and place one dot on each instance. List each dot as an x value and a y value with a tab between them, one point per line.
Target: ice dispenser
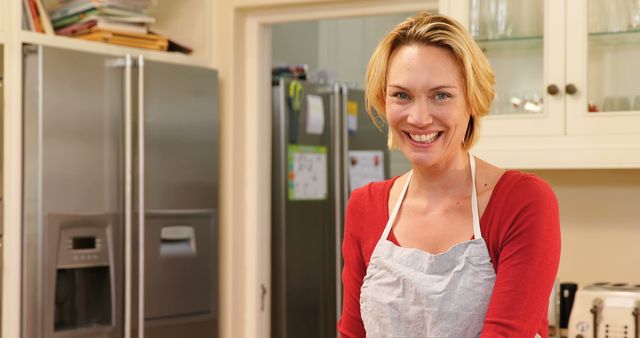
83	296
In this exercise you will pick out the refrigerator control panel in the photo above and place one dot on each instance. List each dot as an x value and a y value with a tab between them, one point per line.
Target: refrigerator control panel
83	247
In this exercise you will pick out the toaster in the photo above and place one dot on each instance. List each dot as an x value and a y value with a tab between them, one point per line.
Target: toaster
605	310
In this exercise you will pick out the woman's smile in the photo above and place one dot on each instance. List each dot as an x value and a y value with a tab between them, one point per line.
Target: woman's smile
424	139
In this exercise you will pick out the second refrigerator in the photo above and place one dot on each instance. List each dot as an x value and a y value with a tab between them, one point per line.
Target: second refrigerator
324	146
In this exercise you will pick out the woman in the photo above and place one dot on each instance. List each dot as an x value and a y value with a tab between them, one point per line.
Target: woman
457	247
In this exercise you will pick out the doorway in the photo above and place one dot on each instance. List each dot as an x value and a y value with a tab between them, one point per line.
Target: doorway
259	29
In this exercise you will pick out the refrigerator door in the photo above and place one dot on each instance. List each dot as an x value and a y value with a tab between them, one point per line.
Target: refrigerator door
73	194
177	149
361	141
303	211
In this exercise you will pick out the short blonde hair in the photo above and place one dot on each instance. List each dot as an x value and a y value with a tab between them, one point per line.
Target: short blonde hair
440	31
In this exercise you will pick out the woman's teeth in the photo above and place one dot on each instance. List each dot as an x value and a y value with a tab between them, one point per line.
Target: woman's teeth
425	138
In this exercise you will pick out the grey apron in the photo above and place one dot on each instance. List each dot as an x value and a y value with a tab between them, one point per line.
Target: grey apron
409	292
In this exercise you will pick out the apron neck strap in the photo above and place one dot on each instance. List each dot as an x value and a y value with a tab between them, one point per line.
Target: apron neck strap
474	199
394	213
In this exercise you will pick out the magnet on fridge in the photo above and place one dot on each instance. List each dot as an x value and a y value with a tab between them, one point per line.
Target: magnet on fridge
352	117
294	100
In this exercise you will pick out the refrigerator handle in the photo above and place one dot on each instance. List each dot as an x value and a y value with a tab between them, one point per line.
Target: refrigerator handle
338	202
141	206
281	213
127	195
346	187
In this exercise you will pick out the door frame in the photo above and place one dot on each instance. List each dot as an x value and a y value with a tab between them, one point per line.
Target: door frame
255	119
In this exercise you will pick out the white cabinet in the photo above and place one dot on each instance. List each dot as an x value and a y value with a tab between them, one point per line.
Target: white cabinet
566	81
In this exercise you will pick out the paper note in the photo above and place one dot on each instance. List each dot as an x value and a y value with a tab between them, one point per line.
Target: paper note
307	172
365	166
352	116
315	115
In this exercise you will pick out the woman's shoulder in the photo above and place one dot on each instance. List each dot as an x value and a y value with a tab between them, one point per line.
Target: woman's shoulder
517	189
372	191
367	206
519	182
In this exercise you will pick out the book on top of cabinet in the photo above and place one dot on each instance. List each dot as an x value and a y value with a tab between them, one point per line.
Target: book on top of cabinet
102	24
98	14
147	41
90	6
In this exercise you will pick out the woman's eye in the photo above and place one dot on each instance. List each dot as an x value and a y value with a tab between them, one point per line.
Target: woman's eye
442	96
401	95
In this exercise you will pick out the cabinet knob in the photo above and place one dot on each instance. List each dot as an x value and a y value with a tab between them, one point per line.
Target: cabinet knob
553	89
571	89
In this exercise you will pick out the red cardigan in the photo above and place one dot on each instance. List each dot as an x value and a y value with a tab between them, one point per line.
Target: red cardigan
521	228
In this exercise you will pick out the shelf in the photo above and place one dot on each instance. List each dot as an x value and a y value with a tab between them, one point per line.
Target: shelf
511	43
614	38
595	39
105	48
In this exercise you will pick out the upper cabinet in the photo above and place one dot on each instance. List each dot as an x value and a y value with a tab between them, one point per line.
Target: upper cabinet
567	94
528	61
603	64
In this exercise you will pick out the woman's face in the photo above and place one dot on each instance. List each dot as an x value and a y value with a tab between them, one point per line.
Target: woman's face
426	104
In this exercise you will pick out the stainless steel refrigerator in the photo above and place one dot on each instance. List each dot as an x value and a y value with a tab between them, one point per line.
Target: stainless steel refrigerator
324	145
120	197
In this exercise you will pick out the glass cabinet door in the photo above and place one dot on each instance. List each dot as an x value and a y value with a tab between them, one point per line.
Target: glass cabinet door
603	67
526	54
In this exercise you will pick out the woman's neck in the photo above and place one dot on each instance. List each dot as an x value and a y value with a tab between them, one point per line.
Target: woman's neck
451	178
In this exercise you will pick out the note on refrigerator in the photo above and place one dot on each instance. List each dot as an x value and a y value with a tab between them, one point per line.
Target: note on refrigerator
315	115
365	166
307	172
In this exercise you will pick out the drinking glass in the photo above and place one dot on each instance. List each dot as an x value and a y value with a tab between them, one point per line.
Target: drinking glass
478	18
633	7
636	103
623	103
609	104
500	23
616	16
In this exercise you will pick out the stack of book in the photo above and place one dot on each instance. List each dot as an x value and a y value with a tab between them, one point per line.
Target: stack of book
121	22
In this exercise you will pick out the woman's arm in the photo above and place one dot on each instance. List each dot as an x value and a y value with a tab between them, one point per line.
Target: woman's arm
350	324
527	262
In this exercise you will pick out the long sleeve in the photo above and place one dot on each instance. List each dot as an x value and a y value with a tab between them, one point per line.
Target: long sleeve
350	325
525	249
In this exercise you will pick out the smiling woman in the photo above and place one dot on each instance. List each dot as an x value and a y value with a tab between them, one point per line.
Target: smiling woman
456	247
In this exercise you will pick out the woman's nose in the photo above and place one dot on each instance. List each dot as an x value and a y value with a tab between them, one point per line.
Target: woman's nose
419	114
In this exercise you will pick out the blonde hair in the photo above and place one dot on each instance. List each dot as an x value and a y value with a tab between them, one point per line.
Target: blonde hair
440	31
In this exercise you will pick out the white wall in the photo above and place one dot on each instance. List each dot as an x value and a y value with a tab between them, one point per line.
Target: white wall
340	46
600	221
295	43
346	45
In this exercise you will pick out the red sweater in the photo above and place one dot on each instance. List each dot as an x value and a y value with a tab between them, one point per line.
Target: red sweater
521	228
